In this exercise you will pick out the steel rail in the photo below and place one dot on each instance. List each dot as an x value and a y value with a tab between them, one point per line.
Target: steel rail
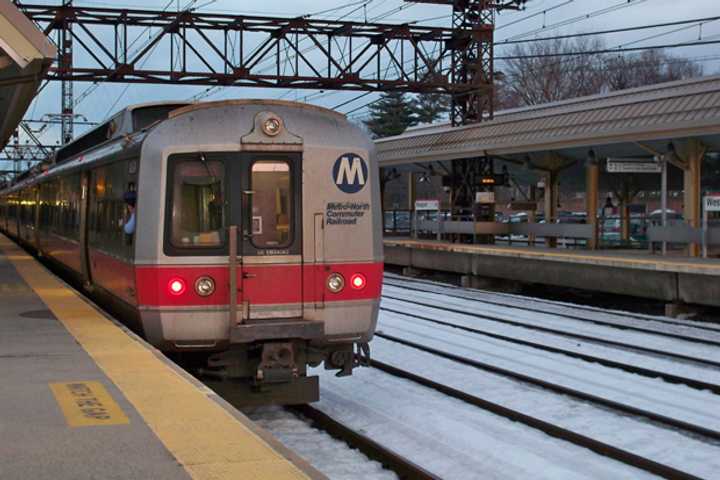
645	372
404	468
555	331
574	317
656	417
585	308
553	430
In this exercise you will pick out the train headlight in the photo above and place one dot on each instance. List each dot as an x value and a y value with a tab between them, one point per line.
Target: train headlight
204	286
335	282
271	126
176	286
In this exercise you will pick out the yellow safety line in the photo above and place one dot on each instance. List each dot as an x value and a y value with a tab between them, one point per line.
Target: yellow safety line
206	439
596	259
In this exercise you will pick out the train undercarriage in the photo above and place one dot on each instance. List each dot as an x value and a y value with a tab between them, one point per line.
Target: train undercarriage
276	372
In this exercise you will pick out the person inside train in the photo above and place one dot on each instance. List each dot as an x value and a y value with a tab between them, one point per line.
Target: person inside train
130	198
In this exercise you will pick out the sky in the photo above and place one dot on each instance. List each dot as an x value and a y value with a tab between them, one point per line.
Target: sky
540	18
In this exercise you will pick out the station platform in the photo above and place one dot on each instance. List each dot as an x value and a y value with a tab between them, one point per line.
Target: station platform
84	398
637	273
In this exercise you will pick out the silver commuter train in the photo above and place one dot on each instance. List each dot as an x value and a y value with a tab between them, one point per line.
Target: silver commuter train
244	233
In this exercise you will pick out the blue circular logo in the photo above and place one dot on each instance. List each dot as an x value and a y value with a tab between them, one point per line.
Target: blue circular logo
350	173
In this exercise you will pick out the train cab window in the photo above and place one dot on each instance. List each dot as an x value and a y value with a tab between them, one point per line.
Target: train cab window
271	204
198	213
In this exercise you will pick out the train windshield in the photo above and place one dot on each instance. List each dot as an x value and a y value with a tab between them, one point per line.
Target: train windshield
270	183
198	214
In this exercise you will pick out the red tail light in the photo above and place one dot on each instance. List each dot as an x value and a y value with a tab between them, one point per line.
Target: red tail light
176	286
358	281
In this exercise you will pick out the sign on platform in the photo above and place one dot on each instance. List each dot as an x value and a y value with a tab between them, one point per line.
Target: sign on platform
523	206
427	205
484	197
712	203
629	165
87	403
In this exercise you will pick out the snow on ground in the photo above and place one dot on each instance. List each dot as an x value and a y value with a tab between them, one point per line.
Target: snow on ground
452	439
662	324
678	401
650	361
332	457
670	345
457	440
637	435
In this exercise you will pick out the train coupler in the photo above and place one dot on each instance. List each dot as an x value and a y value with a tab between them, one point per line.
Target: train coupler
347	358
277	364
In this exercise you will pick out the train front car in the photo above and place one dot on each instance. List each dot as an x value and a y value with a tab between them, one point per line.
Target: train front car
258	242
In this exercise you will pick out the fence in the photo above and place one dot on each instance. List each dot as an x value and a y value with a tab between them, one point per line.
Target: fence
683	234
644	231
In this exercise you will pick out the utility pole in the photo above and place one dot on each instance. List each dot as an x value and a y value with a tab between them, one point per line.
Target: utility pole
65	64
472	72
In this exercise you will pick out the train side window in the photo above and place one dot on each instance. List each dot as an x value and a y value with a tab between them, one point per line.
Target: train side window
271	204
198	213
68	221
108	210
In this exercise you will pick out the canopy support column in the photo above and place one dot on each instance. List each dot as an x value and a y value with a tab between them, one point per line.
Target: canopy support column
551	201
692	154
592	187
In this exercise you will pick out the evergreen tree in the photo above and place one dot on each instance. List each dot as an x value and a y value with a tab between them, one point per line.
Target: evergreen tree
389	116
429	107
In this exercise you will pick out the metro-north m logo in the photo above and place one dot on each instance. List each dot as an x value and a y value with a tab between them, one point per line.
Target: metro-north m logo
350	173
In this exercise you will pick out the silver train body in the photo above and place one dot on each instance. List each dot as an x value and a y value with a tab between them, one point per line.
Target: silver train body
245	233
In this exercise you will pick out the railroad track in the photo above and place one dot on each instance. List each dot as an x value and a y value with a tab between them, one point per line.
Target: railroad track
473	296
314	419
556	431
646	372
555	331
707	433
403	468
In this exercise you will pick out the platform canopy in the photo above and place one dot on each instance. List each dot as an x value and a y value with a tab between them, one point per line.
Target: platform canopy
25	54
634	122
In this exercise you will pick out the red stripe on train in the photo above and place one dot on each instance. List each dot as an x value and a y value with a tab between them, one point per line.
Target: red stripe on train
257	284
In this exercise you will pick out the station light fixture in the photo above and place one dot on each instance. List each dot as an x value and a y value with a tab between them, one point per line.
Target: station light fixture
496	179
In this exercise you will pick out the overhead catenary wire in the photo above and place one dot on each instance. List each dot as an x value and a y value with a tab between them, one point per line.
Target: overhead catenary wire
569	21
592	14
695	21
609	50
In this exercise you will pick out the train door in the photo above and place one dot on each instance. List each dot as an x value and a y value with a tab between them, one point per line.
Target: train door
267	212
83	233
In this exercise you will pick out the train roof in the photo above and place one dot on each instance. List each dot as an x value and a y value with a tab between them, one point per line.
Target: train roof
128	120
254	101
125	126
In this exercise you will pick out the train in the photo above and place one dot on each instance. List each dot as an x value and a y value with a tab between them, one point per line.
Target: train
242	234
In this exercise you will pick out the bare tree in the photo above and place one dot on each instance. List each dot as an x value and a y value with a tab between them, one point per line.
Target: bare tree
542	71
647	68
536	76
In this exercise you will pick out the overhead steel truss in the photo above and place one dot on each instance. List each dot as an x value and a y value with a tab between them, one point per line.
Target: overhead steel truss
196	48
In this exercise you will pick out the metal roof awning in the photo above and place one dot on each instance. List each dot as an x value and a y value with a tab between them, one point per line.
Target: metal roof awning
25	54
624	123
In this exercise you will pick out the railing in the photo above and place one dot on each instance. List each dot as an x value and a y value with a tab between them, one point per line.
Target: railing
683	234
532	232
397	222
643	231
